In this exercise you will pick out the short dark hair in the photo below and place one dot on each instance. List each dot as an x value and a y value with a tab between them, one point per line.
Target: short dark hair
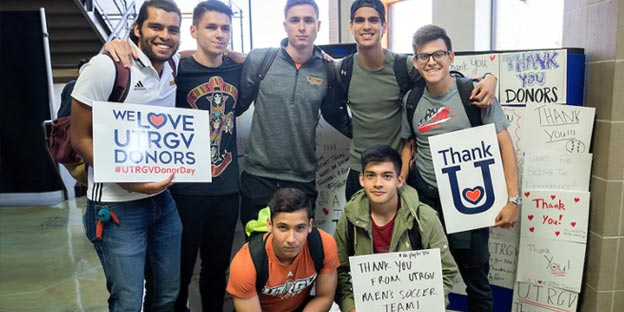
289	200
374	4
381	153
210	5
430	33
166	5
292	3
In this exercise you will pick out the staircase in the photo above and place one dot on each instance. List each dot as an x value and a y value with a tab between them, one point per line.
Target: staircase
78	28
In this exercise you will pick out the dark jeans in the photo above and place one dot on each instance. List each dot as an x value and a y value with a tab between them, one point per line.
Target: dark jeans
256	192
208	226
353	183
469	249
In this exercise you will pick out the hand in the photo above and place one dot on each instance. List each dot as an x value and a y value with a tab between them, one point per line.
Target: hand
327	57
484	93
507	217
236	57
148	187
120	50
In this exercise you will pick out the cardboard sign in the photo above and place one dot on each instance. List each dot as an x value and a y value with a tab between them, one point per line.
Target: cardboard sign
144	143
553	263
557	128
503	247
477	65
398	281
543	298
533	77
470	177
556	171
556	215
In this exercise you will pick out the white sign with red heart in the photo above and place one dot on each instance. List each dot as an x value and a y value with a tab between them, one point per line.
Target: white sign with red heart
553	214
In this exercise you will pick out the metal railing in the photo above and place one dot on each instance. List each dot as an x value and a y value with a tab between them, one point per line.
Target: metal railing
116	15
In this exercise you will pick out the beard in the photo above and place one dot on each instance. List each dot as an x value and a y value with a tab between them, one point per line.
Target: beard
147	48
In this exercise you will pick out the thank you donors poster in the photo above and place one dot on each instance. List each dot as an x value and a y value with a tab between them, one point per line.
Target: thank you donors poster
398	281
533	77
144	143
469	168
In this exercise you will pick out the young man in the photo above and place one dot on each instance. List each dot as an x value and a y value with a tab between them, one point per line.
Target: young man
209	211
148	219
281	150
374	93
433	57
291	270
381	216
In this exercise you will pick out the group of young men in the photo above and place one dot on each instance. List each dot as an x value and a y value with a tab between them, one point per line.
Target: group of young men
150	240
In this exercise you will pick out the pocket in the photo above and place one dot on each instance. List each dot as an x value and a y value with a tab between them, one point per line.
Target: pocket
89	221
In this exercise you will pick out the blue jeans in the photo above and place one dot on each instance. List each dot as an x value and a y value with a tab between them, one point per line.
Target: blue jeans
146	226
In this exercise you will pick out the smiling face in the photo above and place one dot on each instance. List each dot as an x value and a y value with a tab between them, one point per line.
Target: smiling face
381	181
290	232
432	70
159	35
301	26
367	27
212	33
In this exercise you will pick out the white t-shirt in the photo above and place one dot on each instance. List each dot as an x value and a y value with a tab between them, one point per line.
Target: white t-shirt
95	83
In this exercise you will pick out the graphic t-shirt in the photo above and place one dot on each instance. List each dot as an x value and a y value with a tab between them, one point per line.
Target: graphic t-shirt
288	286
215	90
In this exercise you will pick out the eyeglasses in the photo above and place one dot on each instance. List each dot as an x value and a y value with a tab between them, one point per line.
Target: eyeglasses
437	56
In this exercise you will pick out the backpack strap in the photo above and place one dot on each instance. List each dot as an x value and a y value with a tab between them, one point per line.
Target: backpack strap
465	87
267	61
412	101
414	233
173	68
260	260
122	82
350	238
346	71
401	74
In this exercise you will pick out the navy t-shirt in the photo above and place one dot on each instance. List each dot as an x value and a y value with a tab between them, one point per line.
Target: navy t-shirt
215	90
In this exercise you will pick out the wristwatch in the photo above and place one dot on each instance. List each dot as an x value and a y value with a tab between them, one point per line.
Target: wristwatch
516	200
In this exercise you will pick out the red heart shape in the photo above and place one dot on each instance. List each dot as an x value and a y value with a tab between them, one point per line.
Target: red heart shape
552	196
474	196
573	224
557	233
157	120
531	229
527	194
530	217
492	57
325	211
576	199
539	281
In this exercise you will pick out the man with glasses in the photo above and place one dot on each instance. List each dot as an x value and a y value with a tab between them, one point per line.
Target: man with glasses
440	110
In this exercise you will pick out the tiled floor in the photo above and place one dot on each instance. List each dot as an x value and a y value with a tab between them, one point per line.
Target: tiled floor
47	263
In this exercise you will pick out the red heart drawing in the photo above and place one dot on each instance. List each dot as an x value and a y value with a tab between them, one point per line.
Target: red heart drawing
552	196
492	57
530	217
557	233
473	195
573	224
531	229
526	194
539	281
325	211
576	199
157	120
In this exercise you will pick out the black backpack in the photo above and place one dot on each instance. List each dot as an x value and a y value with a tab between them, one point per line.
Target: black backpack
259	257
464	86
414	235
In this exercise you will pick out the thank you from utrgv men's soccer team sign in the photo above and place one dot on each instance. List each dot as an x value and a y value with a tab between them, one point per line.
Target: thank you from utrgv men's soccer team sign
470	177
144	143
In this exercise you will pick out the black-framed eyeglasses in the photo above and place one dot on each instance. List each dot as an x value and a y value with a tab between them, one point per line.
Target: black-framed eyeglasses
437	56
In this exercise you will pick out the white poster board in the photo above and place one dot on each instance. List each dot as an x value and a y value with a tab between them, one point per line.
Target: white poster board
556	171
477	65
514	115
554	263
557	128
556	215
470	177
533	77
543	298
398	281
503	247
145	143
